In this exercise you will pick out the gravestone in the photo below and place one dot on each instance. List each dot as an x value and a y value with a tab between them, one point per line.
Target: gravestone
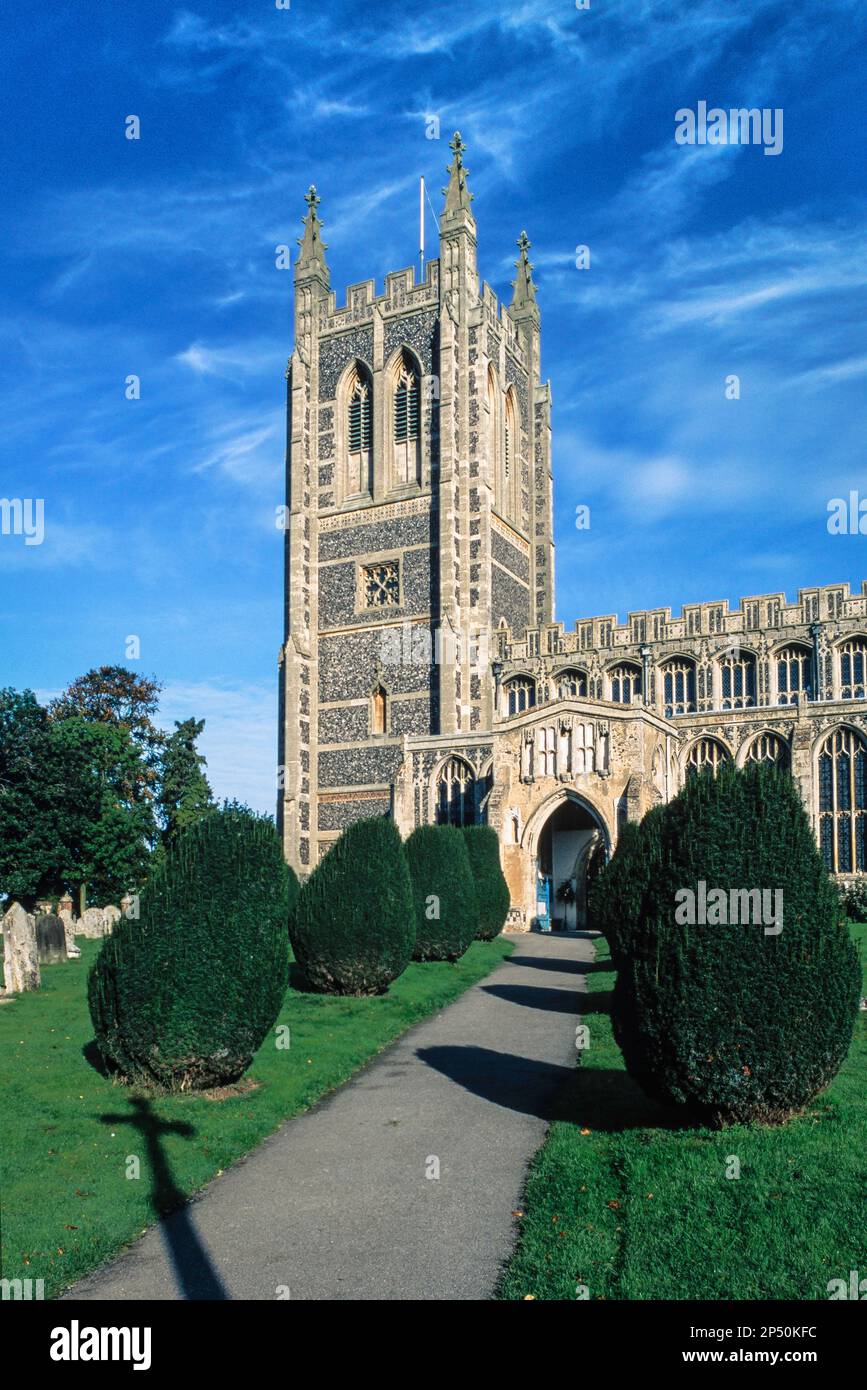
50	939
92	923
20	955
64	912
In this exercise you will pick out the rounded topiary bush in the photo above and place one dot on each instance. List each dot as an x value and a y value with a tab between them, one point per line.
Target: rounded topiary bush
492	890
446	907
353	928
738	989
616	897
183	995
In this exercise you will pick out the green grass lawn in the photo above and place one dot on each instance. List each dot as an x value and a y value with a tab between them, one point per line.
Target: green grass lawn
67	1204
622	1202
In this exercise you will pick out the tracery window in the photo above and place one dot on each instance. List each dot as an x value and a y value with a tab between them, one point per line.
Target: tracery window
768	748
843	802
738	672
461	795
625	684
853	669
571	683
520	694
706	753
381	585
678	687
794	675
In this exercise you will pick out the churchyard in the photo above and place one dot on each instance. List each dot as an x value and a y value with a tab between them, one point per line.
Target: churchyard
85	1158
708	1145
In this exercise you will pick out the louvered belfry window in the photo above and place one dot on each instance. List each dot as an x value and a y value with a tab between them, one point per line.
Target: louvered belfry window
358	434
406	408
359	419
406	467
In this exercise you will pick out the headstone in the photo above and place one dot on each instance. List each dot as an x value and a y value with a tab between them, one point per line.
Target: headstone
92	923
50	939
64	912
111	916
20	955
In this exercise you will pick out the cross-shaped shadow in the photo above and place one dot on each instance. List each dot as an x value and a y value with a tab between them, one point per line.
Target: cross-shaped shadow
196	1276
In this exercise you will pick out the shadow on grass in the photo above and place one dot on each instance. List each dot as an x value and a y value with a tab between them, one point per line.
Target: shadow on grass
94	1058
608	1102
196	1276
298	980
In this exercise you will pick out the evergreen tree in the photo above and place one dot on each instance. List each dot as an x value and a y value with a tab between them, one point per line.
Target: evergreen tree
33	801
446	906
492	890
353	927
733	1019
184	792
183	996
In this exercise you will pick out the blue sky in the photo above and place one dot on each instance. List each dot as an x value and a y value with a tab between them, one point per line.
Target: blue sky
156	258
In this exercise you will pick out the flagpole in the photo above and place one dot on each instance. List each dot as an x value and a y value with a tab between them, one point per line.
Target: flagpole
421	224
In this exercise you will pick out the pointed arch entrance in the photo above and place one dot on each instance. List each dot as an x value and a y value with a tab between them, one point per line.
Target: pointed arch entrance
567	841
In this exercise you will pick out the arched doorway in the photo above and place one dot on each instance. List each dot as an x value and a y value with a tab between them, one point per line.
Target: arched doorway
571	846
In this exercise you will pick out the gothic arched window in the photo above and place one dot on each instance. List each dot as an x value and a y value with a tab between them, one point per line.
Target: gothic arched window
768	748
678	687
738	671
359	431
794	675
853	669
706	753
378	711
571	683
843	802
461	795
511	450
520	694
406	431
495	438
625	684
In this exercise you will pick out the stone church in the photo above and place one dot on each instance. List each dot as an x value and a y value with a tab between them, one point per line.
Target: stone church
422	673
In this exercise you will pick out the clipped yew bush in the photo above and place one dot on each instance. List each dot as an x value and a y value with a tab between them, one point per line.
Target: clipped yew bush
182	996
444	895
492	890
736	1008
616	898
353	927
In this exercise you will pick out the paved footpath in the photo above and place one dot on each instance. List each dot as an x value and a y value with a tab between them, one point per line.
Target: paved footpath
337	1204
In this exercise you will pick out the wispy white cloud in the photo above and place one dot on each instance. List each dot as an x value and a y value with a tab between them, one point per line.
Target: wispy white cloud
231	361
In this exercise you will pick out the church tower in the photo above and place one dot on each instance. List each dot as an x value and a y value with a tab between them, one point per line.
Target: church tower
418	517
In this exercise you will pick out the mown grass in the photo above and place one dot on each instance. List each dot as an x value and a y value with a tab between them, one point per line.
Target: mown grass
624	1203
66	1203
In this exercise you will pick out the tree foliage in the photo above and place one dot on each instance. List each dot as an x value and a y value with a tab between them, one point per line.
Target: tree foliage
353	929
492	890
183	996
446	906
184	794
82	785
734	1020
